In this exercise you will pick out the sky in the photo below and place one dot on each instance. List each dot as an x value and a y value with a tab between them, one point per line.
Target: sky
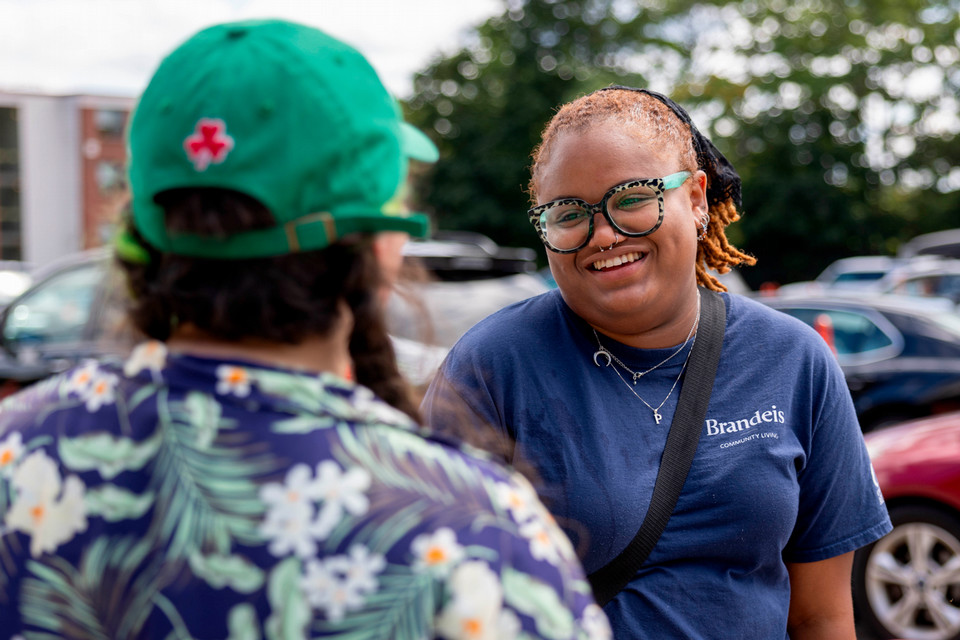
111	47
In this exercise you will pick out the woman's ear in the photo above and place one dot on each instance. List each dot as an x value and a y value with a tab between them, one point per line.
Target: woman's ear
388	249
698	194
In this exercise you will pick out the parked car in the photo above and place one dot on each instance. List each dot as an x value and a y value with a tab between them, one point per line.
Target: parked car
62	318
465	255
924	275
14	279
900	355
854	273
907	584
941	243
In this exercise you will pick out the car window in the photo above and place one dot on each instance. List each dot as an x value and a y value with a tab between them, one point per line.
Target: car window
853	333
56	310
858	276
947	286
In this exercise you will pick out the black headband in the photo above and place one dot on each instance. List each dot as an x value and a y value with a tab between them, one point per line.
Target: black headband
723	181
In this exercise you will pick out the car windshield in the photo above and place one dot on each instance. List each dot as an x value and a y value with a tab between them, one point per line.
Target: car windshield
56	310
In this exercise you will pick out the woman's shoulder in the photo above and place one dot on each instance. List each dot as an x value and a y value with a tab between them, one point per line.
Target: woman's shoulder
519	319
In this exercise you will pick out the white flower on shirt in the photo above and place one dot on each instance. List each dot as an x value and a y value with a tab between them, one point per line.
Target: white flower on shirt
11	449
341	583
151	355
595	624
436	552
475	610
81	378
290	528
298	488
40	510
361	568
233	380
519	499
100	392
542	543
339	491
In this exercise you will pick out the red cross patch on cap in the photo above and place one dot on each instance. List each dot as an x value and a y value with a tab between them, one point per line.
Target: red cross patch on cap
209	143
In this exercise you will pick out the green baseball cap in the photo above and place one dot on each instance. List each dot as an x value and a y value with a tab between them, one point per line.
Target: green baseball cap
285	114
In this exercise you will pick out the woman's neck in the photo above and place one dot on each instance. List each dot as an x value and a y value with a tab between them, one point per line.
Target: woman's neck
327	353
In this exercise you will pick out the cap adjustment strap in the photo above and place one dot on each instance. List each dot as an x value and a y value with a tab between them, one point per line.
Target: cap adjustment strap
290	228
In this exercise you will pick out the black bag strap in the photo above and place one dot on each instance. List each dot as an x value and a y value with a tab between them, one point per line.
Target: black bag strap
678	453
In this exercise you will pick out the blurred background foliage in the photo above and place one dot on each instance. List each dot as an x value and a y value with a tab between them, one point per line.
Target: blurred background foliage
841	116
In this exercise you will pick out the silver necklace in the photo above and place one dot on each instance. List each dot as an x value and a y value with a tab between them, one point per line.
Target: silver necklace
656	410
603	352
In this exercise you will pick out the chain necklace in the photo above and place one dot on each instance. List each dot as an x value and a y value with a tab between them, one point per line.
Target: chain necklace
603	352
656	410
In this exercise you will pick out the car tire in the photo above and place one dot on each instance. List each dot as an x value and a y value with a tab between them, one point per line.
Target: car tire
906	585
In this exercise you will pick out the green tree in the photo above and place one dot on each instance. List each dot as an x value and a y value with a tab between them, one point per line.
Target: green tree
841	115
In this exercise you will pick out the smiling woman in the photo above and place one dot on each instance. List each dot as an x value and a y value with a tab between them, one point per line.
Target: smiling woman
600	379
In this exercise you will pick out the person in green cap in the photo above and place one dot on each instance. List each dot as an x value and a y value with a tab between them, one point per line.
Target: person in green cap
255	469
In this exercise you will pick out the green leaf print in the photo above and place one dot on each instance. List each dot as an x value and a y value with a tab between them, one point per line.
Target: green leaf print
235	572
303	424
440	482
204	414
305	391
206	494
242	623
68	601
403	608
539	601
107	454
113	503
290	613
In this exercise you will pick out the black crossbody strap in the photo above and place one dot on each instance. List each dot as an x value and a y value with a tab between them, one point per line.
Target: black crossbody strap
678	453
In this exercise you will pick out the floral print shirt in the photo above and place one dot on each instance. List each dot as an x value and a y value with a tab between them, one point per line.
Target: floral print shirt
179	497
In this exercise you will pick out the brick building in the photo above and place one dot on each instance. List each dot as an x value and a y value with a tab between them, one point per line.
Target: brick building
61	173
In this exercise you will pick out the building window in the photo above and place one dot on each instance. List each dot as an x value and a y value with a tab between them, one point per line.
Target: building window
109	122
110	177
10	241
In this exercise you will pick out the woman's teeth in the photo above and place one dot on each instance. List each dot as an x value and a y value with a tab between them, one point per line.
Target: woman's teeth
616	261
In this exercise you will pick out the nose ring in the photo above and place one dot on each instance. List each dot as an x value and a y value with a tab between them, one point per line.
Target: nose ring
616	241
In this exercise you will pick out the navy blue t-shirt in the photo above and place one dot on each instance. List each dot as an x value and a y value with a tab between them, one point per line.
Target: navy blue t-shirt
781	473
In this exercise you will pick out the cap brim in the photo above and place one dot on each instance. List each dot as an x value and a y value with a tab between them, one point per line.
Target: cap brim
417	145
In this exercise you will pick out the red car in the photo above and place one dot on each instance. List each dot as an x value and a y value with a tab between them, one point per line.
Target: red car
907	584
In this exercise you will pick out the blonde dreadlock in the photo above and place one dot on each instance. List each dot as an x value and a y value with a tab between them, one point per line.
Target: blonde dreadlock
662	123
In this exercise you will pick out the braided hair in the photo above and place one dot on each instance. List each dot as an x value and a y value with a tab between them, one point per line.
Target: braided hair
669	123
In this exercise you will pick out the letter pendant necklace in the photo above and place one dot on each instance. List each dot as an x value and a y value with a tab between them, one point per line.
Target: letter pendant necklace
603	352
656	410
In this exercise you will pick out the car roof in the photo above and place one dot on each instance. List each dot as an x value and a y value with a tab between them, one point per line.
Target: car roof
856	264
944	243
908	305
70	260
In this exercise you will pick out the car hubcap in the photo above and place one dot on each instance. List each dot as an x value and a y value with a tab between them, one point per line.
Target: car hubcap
913	582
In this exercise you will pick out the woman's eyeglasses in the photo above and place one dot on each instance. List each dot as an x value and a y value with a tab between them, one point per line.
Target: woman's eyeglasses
633	209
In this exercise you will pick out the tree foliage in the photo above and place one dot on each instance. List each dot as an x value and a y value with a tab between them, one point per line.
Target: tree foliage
841	115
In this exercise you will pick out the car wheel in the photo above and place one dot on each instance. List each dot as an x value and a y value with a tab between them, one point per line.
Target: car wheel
907	584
